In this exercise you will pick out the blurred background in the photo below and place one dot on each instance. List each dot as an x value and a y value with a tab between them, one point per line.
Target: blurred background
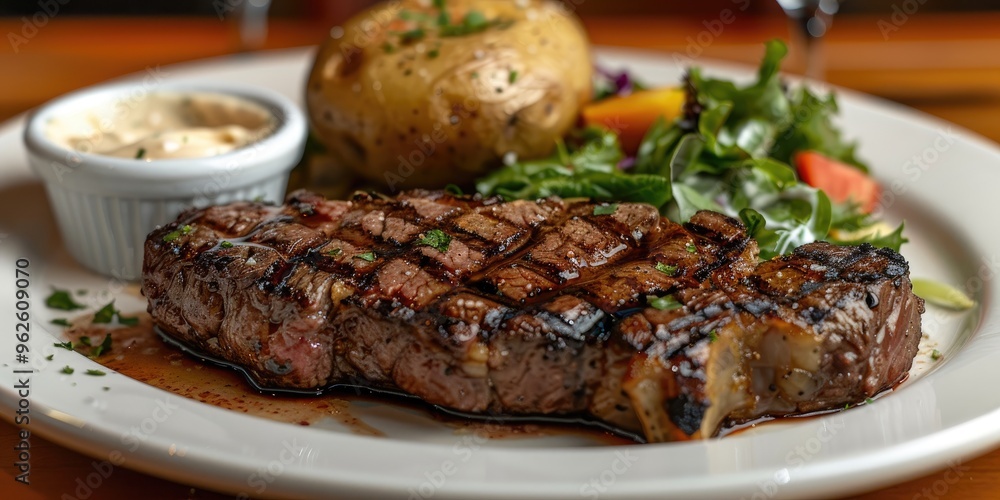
300	8
939	56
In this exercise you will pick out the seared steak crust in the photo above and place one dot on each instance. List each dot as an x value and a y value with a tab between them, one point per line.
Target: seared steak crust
533	307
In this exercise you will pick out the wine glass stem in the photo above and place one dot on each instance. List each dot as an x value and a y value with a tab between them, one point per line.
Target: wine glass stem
812	47
253	24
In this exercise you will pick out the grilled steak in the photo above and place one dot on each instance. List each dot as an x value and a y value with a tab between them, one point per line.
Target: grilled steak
554	307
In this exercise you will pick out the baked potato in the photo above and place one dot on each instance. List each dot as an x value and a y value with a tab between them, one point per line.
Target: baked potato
421	94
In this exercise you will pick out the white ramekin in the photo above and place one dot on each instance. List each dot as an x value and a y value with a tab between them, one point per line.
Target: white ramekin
106	206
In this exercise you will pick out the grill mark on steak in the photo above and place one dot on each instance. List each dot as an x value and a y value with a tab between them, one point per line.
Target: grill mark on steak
535	308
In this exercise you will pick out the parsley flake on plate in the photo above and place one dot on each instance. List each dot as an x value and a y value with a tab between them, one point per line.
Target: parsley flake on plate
61	300
103	348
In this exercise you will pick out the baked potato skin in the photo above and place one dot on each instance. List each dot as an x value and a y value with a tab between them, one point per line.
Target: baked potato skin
446	109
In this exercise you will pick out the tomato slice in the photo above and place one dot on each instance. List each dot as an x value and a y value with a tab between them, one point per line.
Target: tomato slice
840	181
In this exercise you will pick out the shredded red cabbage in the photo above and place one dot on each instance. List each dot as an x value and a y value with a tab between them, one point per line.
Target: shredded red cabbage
608	83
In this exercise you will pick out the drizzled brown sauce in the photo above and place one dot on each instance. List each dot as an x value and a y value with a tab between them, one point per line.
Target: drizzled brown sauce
138	352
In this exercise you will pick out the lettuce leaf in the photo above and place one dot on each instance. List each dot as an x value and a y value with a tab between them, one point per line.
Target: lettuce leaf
730	152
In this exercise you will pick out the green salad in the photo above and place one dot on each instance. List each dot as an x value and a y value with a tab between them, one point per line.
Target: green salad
730	151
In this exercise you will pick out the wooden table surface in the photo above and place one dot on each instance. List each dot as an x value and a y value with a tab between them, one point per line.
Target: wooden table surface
945	65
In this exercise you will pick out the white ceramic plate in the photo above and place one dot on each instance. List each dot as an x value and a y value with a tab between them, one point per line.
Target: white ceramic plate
948	410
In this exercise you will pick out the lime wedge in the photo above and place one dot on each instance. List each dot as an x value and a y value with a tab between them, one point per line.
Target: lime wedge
941	294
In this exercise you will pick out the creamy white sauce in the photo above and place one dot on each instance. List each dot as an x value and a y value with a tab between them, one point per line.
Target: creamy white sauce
164	125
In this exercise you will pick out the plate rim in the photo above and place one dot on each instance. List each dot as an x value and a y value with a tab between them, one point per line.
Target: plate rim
986	427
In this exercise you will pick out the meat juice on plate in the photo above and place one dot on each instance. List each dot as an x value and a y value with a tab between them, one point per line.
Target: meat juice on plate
139	353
